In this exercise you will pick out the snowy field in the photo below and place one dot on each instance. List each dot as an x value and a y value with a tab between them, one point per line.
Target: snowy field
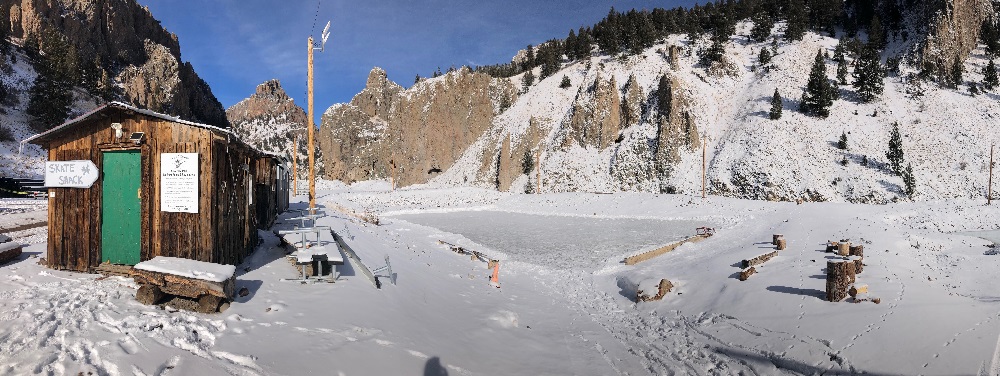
565	313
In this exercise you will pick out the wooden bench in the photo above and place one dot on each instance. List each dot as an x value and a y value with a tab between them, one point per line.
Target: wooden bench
10	251
211	285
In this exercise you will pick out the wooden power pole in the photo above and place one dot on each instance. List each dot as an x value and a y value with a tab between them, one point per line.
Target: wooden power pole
538	174
704	148
989	188
309	91
295	167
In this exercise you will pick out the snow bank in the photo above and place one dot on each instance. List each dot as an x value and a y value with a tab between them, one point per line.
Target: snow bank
188	268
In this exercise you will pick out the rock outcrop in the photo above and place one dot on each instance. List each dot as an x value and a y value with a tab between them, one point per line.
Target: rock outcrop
596	115
270	121
125	42
417	132
954	32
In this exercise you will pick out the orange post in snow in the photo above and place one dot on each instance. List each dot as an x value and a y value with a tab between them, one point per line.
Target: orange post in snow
494	280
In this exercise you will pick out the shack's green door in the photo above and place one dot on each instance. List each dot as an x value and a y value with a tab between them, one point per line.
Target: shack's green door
120	207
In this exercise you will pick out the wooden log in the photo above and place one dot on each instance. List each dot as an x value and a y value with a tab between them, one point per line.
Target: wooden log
781	244
839	277
759	259
857	250
149	294
10	251
746	273
844	248
775	238
645	290
857	289
183	286
858	264
660	251
209	303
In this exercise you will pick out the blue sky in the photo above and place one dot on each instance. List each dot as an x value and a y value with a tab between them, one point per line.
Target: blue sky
236	45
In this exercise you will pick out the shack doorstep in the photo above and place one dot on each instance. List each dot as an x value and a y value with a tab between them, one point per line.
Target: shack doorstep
211	285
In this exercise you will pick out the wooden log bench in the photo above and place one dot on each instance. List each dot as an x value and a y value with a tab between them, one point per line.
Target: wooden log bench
210	285
10	251
759	259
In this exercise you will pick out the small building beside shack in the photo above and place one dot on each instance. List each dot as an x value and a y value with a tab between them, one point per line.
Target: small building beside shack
162	187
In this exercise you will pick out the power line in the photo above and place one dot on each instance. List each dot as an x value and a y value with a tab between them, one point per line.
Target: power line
315	17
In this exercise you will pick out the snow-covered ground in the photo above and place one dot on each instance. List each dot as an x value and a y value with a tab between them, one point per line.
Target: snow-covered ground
553	315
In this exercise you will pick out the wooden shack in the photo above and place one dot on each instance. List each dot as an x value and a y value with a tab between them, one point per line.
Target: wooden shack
166	187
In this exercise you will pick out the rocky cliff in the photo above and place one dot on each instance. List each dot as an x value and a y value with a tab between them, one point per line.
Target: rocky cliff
271	121
954	27
126	43
416	132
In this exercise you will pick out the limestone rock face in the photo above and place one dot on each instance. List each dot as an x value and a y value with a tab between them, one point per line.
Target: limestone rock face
417	132
270	121
632	103
674	133
596	115
127	43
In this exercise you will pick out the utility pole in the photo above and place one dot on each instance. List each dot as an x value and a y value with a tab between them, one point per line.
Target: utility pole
704	153
538	174
989	189
312	165
295	166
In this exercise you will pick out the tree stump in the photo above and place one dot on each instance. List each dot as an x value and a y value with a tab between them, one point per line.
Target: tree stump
781	244
844	248
858	265
839	277
857	250
149	294
775	238
832	246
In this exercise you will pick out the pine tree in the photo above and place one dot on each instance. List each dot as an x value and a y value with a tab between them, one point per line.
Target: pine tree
957	69
842	143
909	181
868	75
416	79
529	59
664	97
819	94
565	82
712	54
764	57
527	163
527	80
842	72
776	105
52	94
797	20
895	153
990	36
990	79
762	25
876	34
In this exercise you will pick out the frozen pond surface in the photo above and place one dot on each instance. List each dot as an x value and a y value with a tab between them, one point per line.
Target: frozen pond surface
558	241
991	235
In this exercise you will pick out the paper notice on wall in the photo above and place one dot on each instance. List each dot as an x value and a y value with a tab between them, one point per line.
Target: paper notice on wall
179	182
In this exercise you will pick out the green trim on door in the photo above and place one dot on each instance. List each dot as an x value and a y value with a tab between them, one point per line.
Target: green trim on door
120	220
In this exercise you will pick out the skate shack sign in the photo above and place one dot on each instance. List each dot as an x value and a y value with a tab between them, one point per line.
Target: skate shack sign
70	174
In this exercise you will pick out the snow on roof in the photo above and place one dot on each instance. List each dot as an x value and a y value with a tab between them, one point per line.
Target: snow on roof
123	106
188	268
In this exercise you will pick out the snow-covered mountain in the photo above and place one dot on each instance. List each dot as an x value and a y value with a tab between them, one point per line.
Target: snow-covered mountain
271	121
946	132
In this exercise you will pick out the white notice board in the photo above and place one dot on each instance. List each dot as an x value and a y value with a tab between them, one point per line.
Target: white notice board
179	182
